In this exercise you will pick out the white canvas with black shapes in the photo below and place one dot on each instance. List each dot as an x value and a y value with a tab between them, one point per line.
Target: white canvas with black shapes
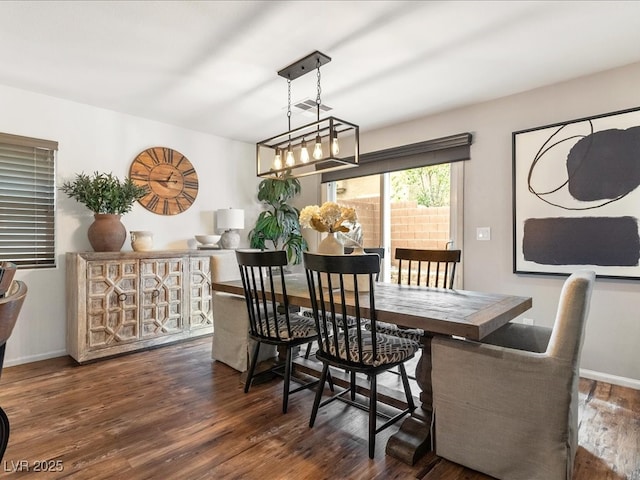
576	200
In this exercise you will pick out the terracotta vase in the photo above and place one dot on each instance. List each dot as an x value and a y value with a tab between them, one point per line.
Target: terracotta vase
107	233
330	245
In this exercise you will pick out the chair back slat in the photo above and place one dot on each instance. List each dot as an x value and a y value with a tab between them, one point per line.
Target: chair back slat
331	305
440	266
259	272
377	250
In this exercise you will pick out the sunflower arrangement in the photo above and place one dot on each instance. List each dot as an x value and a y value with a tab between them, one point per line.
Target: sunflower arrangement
330	217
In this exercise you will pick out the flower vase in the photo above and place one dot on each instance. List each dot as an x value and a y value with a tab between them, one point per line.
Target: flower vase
330	245
107	233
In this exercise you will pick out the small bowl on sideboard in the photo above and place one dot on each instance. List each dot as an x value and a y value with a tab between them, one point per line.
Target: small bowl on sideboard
208	240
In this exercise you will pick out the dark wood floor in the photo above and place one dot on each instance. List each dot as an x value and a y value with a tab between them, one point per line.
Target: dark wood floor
170	413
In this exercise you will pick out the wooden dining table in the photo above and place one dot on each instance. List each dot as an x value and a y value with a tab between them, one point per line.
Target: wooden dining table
437	311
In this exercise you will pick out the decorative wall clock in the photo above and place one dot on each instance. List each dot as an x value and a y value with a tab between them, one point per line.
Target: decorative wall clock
170	177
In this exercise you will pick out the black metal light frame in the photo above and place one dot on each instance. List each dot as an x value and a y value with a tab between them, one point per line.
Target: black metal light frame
348	133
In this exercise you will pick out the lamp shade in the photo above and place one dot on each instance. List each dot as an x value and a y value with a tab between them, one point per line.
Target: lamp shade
230	219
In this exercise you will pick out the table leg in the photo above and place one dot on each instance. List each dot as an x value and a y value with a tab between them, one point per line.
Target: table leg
413	439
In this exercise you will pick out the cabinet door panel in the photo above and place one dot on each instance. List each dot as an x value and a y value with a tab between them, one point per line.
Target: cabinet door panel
162	301
112	303
201	312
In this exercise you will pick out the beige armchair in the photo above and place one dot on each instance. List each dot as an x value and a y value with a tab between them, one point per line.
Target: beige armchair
12	295
509	407
231	343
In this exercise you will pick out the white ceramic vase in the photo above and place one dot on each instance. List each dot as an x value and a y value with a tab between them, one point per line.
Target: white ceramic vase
141	241
330	245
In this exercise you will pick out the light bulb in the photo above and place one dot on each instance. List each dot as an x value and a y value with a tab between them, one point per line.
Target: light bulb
277	162
317	149
290	161
304	152
335	146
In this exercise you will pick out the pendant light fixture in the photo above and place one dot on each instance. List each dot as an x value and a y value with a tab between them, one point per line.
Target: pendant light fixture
287	154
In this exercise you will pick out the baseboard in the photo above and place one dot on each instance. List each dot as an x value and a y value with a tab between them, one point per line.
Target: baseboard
613	379
33	358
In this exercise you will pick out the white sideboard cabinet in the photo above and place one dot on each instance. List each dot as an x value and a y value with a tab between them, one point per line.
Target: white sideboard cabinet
119	302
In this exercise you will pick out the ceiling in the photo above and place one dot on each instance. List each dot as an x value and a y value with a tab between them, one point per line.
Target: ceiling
211	66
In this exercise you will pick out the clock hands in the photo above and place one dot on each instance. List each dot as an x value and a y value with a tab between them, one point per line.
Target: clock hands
166	181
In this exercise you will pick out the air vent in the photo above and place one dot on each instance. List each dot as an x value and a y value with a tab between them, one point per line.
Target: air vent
309	104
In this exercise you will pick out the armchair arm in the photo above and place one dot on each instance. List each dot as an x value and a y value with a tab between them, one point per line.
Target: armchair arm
499	379
532	338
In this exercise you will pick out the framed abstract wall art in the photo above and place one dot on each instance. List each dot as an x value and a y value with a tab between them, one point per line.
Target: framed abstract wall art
576	196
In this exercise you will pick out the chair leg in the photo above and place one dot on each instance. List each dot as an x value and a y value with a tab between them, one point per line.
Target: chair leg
306	355
407	387
252	367
316	401
4	432
287	380
330	380
372	415
353	385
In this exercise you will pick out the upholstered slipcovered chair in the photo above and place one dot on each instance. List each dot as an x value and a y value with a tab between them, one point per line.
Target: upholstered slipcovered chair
509	407
231	342
12	295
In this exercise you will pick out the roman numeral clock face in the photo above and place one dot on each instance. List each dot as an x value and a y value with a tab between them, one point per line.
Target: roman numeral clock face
170	177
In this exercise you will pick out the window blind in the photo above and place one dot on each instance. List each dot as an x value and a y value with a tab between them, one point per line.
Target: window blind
449	149
27	201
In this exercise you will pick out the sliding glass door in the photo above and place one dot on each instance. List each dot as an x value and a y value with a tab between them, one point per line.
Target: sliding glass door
418	208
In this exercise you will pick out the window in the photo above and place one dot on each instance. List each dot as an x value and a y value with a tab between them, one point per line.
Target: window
404	209
407	197
27	201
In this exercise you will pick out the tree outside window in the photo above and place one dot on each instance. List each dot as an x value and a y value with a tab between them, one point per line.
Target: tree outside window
429	186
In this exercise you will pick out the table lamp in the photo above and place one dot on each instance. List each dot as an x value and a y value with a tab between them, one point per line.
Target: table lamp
231	220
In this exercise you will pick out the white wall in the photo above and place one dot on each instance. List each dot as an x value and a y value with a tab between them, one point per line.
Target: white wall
92	139
613	330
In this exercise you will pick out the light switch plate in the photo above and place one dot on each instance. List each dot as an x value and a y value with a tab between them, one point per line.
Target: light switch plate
483	233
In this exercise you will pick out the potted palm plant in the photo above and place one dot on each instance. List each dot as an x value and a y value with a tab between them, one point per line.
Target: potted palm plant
108	198
279	223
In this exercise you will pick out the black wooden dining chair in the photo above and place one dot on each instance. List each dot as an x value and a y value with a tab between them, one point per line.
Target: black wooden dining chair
348	251
429	268
352	347
10	306
260	273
